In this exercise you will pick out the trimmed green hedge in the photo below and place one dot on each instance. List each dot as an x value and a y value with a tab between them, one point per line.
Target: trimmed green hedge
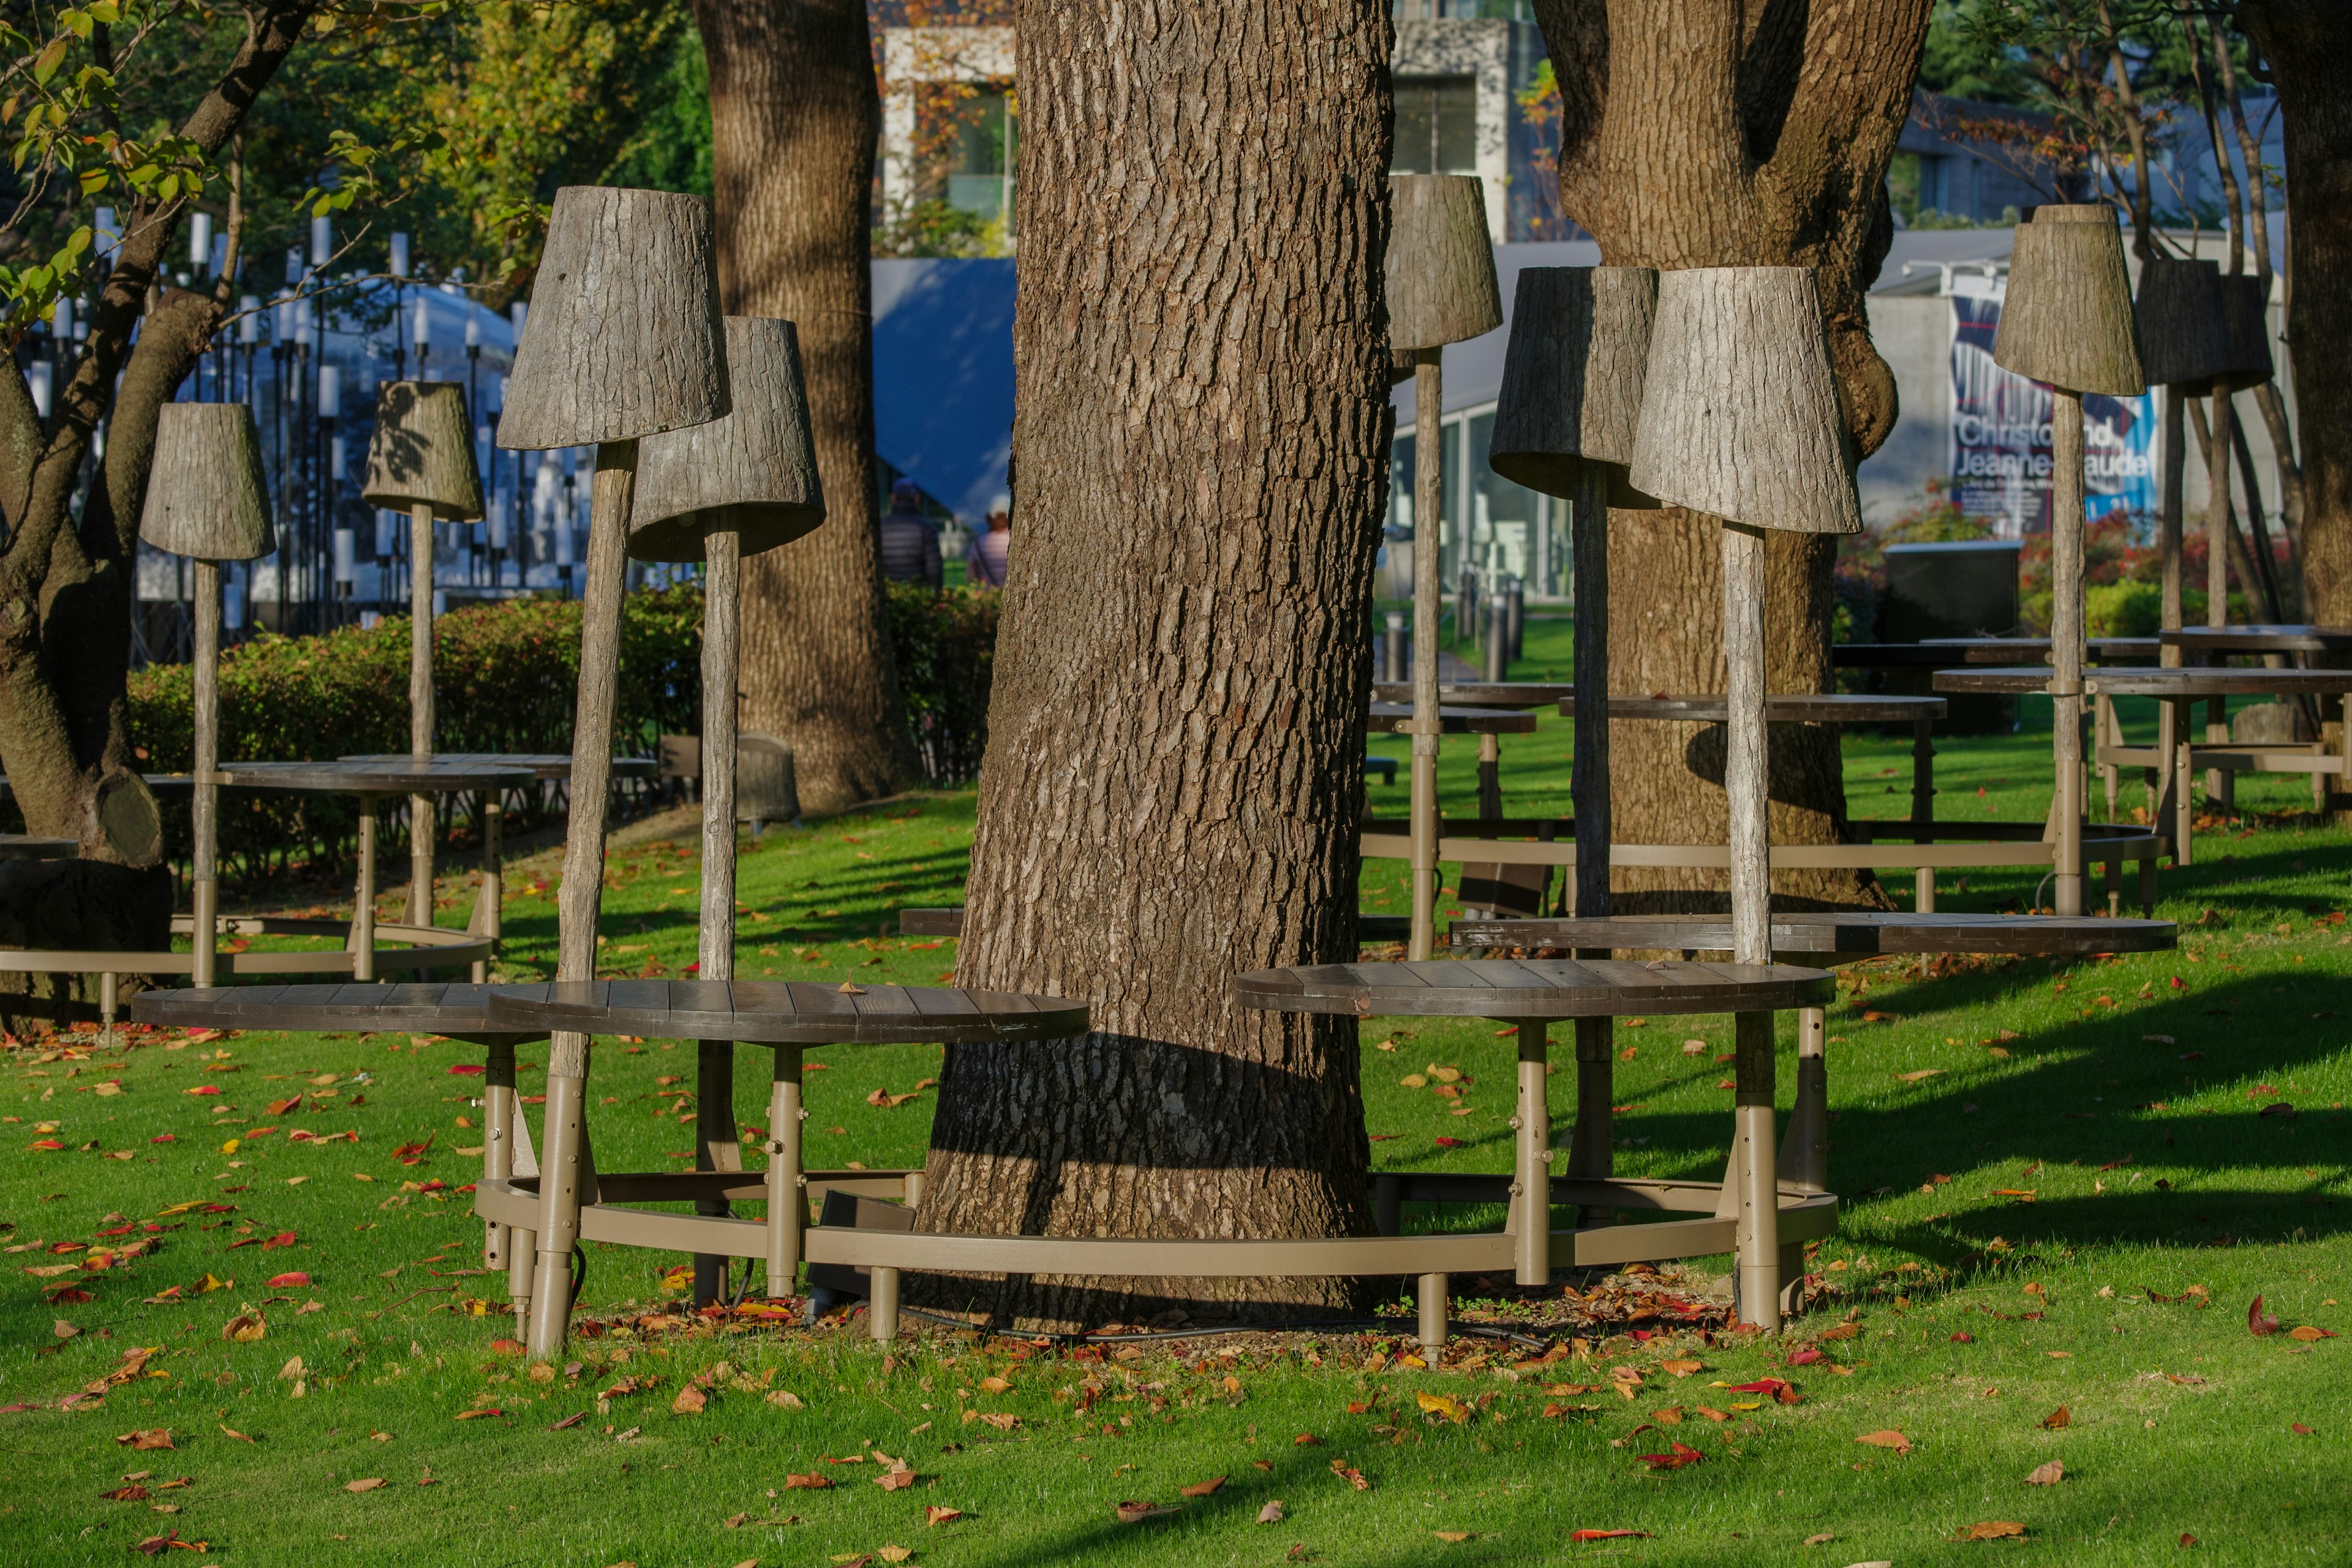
505	678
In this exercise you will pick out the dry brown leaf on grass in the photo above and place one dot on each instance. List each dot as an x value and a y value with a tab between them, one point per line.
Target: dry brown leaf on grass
1000	1420
1443	1404
1271	1513
2058	1420
935	1515
690	1401
1204	1488
1992	1529
2259	1322
239	1437
1919	1077
1581	1535
368	1485
2048	1475
1452	1534
895	1480
147	1438
1135	1510
993	1385
1350	1474
1681	1366
895	1553
2309	1333
1889	1439
814	1482
1823	1539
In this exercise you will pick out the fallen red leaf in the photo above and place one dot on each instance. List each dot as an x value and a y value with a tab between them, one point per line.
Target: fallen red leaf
283	1238
290	1281
2258	1322
1445	1142
1204	1488
1806	1356
464	1070
1609	1535
1683	1454
2058	1419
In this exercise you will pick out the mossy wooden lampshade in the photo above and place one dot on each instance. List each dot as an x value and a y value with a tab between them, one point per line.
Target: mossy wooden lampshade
422	452
205	495
1572	377
1739	412
1441	266
2246	329
752	473
2067	318
623	337
2182	339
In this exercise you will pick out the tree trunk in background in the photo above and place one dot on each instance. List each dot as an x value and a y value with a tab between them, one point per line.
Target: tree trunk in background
1694	137
793	111
1176	734
2308	47
66	582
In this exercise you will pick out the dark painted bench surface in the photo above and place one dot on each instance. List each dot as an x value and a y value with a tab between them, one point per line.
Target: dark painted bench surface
458	1010
1856	933
794	1011
1533	988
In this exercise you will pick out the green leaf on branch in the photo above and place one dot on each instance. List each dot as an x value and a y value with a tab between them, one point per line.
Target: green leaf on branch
46	64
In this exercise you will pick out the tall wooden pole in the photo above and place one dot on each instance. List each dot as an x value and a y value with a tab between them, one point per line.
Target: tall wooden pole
1428	506
204	870
421	822
564	1175
2174	435
2066	645
1754	1157
722	630
2217	574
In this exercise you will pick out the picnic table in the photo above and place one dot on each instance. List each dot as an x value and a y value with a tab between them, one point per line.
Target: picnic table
1825	937
2174	757
1532	994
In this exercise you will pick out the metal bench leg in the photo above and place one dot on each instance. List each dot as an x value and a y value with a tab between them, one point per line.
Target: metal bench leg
1428	1300
560	1187
1754	1186
364	910
1805	1146
108	1001
1923	895
1793	1278
787	1210
497	1142
2180	753
1531	1185
882	1304
488	901
1589	1153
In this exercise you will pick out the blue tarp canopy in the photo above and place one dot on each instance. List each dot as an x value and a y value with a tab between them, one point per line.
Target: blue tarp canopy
944	377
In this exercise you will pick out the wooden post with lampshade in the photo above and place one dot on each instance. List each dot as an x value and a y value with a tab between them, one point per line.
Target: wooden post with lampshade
715	493
1441	290
1739	420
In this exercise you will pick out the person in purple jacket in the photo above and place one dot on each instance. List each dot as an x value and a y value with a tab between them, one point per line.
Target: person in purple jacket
984	563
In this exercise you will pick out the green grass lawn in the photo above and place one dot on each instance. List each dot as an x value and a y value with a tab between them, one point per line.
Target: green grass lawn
2073	1209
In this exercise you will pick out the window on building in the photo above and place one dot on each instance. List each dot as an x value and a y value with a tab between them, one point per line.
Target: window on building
1436	125
966	144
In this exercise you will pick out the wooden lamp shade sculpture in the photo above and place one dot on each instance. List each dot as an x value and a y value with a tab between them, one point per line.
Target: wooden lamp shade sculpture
2183	346
622	342
206	498
715	493
1739	420
1441	290
1564	424
421	461
2068	321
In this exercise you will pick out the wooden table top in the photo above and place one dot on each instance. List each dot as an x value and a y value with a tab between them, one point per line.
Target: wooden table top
397	775
2260	639
458	1010
2188	680
1949	651
1533	988
1815	708
1855	933
1396	719
785	1011
32	846
544	764
1514	694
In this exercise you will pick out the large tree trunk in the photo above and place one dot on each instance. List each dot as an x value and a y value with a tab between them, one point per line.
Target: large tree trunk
66	582
1175	751
793	109
1693	136
2308	46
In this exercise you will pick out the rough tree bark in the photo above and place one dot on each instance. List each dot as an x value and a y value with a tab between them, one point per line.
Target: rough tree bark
2307	44
66	582
1695	134
793	111
1175	749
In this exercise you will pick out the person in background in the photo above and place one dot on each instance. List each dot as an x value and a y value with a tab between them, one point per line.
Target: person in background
910	544
985	564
